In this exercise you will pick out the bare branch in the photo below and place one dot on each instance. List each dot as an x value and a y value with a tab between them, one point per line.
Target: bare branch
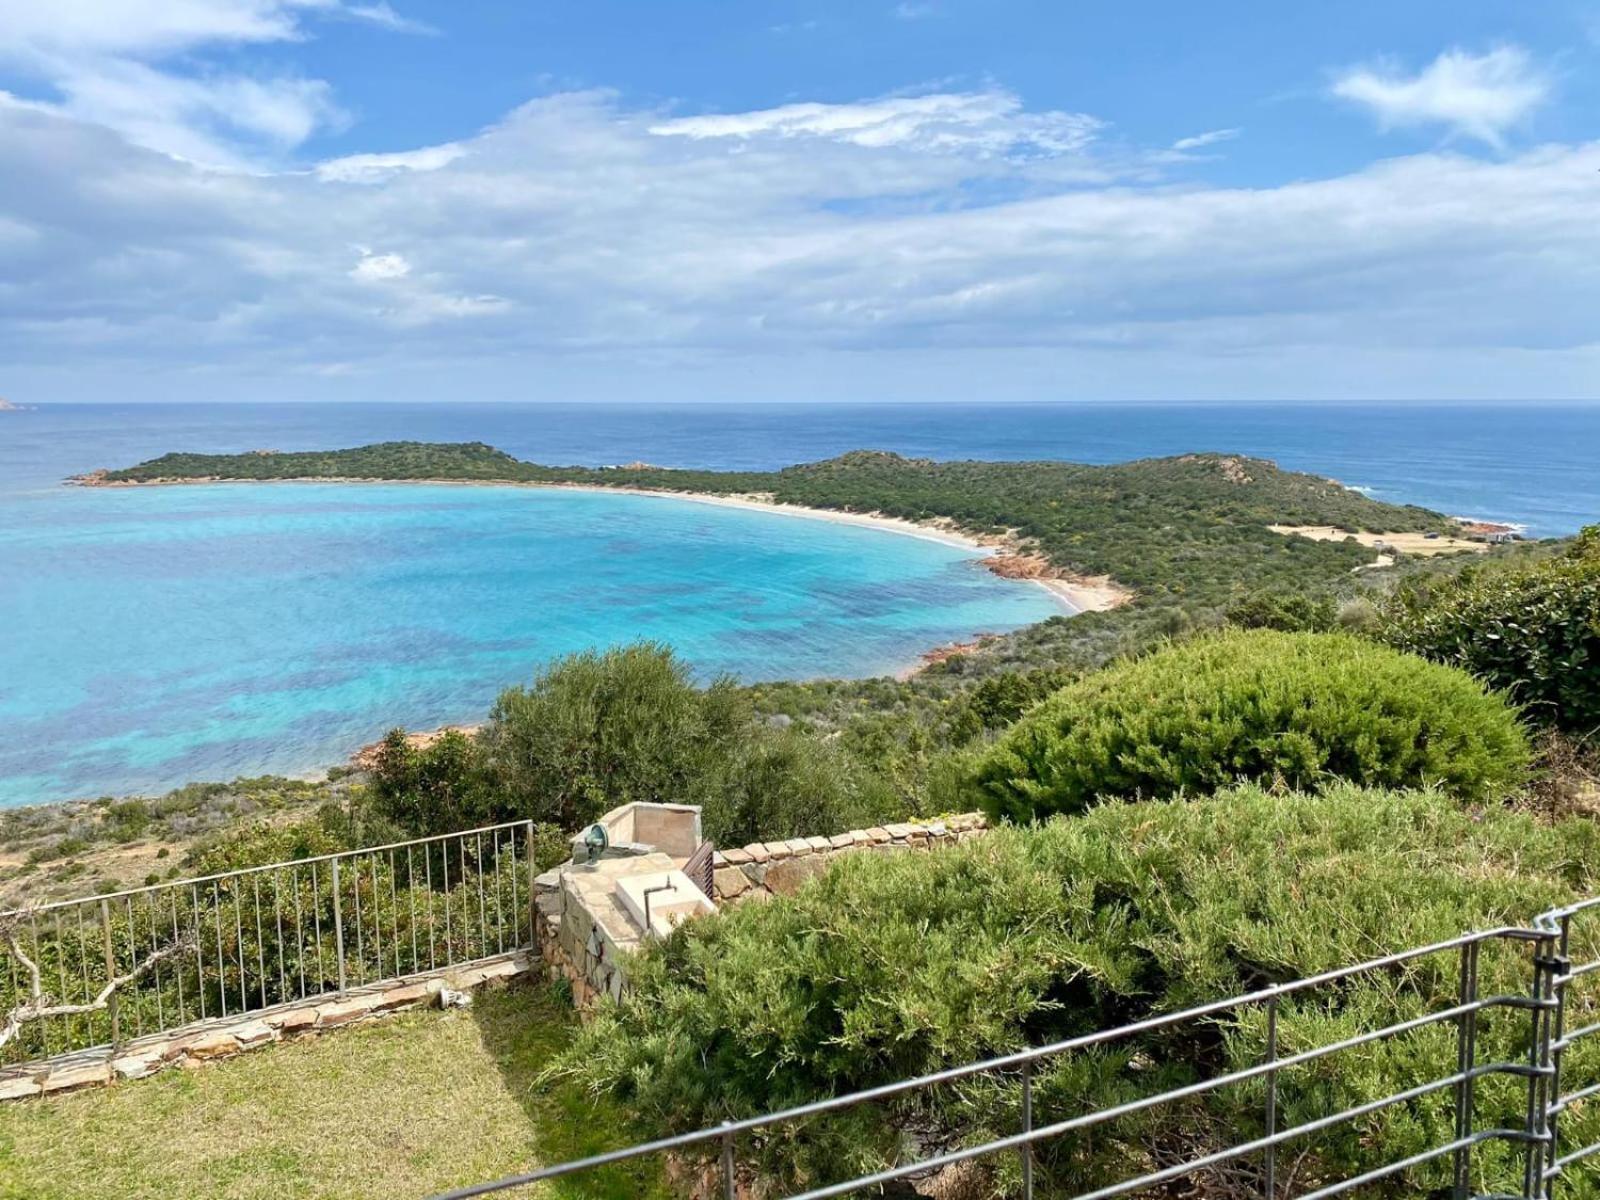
37	1006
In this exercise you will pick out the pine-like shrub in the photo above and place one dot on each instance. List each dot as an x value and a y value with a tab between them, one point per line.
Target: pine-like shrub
890	966
1298	709
1533	631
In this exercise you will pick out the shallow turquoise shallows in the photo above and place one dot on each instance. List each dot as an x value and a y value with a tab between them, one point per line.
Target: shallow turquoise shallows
152	637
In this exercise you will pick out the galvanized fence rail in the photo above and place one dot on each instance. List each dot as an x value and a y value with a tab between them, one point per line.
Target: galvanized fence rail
242	941
1484	1156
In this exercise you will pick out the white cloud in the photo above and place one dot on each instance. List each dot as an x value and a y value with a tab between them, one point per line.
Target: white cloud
140	28
385	16
133	66
375	168
1480	96
1209	138
852	249
909	10
372	268
990	121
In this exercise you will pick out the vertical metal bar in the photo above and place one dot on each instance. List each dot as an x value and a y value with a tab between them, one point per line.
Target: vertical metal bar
199	951
299	928
338	924
16	989
33	933
499	909
261	949
533	876
222	962
1560	967
155	946
316	923
516	910
1270	1184
277	916
375	912
83	968
133	958
177	962
394	915
727	1166
1466	1059
111	972
483	909
1027	1128
238	933
1538	1061
61	977
444	861
433	920
361	935
411	901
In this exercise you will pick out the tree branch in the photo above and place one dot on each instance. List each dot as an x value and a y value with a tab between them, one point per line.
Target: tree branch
37	1006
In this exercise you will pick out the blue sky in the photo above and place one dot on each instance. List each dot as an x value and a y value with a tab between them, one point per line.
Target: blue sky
927	199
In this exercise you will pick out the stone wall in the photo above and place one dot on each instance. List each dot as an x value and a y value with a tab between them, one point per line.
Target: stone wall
765	869
580	932
580	938
205	1041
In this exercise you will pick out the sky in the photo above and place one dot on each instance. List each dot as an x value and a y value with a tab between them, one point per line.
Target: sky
798	200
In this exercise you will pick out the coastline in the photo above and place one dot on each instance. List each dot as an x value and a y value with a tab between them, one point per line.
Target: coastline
1003	555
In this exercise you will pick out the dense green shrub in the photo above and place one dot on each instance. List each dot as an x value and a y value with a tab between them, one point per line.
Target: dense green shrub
1291	612
889	966
1297	708
434	788
604	728
782	784
601	729
1533	631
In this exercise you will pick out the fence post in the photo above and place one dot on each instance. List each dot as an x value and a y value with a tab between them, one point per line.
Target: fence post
1539	1059
1466	1060
1270	1188
727	1164
338	924
111	973
1560	966
533	895
1027	1127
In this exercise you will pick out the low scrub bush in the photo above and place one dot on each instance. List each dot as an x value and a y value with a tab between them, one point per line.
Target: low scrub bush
894	965
601	729
1296	709
1533	631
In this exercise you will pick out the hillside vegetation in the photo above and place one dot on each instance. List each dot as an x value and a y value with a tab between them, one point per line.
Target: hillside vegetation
1192	526
893	966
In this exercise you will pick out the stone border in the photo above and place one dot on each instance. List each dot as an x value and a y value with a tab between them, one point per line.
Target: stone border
194	1045
762	870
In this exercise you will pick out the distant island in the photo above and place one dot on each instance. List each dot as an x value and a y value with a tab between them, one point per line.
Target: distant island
1192	527
7	406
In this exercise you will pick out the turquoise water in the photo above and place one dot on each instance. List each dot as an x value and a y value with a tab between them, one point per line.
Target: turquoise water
157	636
149	638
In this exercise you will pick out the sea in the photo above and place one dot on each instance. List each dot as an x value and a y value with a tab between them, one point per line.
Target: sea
152	637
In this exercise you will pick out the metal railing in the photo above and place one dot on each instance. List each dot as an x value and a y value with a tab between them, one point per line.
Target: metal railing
1511	1147
242	941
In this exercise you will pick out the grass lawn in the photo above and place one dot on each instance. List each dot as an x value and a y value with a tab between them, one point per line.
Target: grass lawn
401	1108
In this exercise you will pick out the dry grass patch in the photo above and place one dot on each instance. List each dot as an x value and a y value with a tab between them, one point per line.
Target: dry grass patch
406	1107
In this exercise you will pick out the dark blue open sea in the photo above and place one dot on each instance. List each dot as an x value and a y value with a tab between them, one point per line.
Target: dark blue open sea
151	637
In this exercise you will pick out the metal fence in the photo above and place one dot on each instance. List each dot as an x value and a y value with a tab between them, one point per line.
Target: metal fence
234	943
1501	1013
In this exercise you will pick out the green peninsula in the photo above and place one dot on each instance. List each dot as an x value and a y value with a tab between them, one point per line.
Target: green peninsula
1192	528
